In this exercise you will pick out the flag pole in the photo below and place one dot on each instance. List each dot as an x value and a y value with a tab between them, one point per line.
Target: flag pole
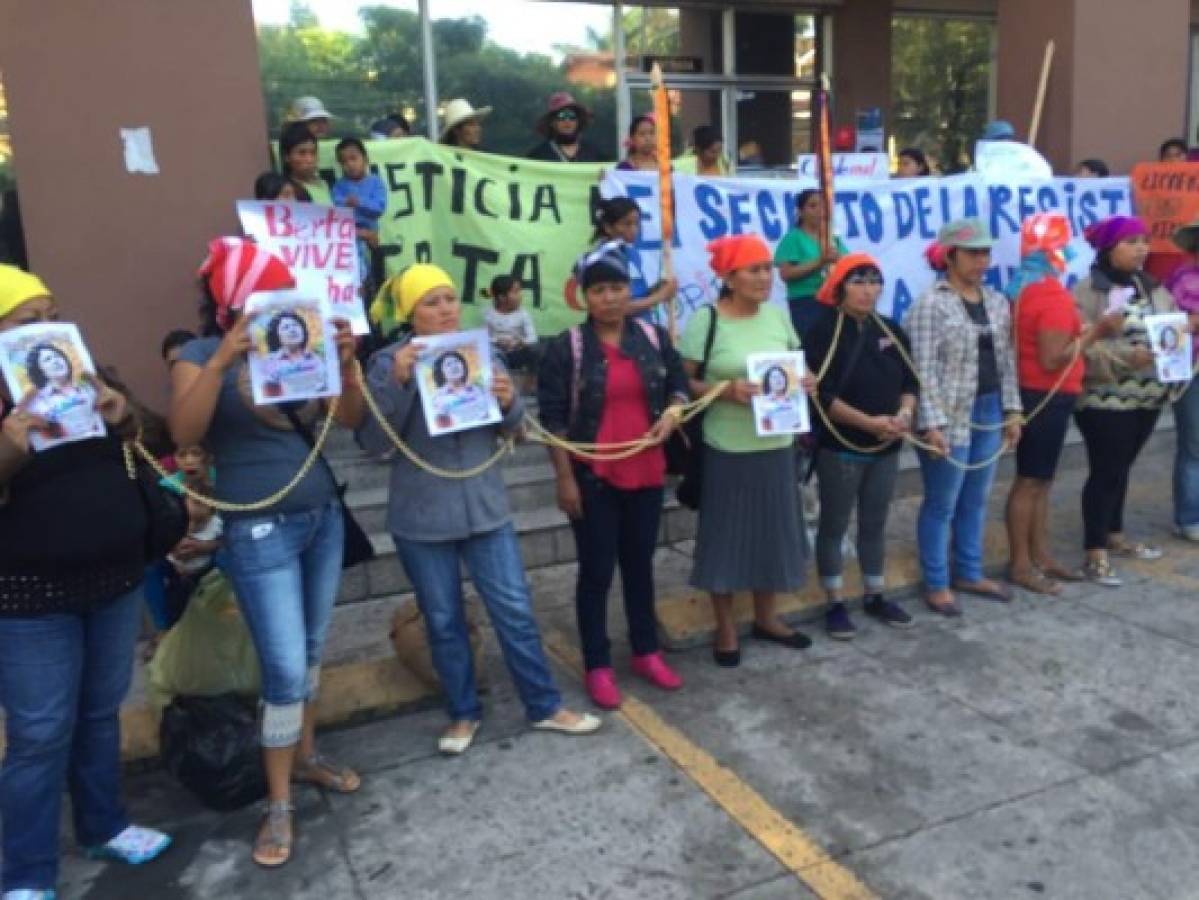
824	160
665	188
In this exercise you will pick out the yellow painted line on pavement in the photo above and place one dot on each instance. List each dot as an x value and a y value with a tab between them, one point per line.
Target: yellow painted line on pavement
788	843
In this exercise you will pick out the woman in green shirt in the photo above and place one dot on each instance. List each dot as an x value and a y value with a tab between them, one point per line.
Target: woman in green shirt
750	529
802	264
298	154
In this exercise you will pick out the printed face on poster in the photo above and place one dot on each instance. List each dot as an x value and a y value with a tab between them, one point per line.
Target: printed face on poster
454	375
45	367
294	356
1171	344
318	243
781	407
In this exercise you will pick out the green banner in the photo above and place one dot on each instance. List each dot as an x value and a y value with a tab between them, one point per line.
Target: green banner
478	215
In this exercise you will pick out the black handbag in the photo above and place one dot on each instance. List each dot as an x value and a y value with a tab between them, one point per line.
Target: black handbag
166	511
357	547
685	449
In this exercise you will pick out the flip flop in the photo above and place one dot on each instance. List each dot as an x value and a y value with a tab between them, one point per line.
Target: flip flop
323	772
998	593
1063	573
1035	582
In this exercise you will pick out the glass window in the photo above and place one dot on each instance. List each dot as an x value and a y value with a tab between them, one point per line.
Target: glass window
12	237
683	41
773	127
777	44
940	82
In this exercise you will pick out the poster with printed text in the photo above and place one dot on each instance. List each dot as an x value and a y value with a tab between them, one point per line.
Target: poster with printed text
454	375
1171	344
45	367
293	356
781	407
319	244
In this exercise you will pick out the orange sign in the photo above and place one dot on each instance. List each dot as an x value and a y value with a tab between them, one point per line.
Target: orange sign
1167	197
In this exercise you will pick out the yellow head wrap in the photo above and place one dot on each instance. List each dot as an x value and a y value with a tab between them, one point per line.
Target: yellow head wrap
17	287
399	294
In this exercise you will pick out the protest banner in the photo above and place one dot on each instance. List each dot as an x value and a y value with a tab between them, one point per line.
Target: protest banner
319	245
1167	197
875	166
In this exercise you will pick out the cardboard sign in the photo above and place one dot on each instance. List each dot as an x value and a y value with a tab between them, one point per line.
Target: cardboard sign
453	375
848	165
319	245
294	356
1167	197
1008	160
1171	344
782	406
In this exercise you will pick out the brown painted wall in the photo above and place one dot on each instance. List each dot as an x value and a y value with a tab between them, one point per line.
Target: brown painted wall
861	60
120	250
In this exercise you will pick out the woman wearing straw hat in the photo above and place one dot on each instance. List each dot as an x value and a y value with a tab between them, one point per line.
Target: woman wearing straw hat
440	525
562	125
1183	284
463	125
969	408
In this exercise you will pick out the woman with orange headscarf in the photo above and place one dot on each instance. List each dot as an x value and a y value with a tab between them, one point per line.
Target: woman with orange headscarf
1050	340
750	529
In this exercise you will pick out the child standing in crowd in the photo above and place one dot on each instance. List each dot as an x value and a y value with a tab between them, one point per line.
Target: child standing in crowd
511	328
364	193
619	219
273	186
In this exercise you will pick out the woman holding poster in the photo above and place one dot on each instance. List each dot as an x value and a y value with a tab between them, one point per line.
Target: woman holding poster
441	524
969	409
869	393
750	529
284	560
1122	397
72	560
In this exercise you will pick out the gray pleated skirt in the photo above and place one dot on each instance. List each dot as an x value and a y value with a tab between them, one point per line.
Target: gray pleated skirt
751	534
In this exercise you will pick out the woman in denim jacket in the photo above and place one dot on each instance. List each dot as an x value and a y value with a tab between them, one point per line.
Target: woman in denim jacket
440	524
611	380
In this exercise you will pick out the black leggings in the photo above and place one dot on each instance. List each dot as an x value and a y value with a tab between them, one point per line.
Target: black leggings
1114	438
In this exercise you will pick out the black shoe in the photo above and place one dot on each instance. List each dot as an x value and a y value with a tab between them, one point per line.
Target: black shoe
727	659
838	624
796	640
886	611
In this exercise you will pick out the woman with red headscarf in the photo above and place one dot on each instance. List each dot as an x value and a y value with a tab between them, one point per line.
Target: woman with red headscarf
285	560
1122	397
750	530
1049	338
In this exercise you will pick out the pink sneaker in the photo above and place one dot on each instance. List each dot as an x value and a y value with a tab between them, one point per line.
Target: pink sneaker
652	667
602	689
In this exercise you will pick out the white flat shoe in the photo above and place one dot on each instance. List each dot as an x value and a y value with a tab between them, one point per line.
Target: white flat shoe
458	744
586	724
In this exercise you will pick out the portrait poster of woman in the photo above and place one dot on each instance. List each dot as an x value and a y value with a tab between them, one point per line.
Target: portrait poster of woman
47	367
454	378
781	406
1171	346
293	357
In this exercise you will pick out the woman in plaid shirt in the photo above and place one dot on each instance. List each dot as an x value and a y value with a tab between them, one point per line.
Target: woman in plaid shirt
961	344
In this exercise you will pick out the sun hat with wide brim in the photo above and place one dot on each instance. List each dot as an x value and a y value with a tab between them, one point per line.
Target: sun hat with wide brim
559	101
1187	237
459	111
305	109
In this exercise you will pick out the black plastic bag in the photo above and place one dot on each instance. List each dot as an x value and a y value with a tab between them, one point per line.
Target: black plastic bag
211	745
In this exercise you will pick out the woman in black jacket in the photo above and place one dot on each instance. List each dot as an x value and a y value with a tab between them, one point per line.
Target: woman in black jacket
612	380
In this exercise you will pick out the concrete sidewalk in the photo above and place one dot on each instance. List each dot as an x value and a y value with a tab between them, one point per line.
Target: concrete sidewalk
1049	748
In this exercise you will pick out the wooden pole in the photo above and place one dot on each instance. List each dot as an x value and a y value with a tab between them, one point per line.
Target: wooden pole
824	165
665	188
1039	105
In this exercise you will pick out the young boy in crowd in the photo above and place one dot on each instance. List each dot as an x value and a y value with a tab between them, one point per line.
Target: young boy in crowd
511	328
364	193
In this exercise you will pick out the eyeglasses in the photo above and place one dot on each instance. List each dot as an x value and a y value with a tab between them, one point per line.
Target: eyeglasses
566	115
864	279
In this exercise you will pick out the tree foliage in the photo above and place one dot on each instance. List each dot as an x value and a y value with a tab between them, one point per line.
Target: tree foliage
940	77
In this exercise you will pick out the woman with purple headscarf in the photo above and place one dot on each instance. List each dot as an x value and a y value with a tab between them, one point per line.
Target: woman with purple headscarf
1122	397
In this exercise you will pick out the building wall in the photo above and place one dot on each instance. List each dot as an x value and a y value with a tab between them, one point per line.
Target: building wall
120	250
861	60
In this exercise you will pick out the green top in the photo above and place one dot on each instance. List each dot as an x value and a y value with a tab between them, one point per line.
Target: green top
798	247
319	191
729	426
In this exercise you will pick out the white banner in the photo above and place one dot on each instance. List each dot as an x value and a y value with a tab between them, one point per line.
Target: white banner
894	221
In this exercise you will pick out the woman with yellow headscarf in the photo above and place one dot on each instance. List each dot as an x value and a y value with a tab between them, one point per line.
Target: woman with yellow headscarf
72	559
439	524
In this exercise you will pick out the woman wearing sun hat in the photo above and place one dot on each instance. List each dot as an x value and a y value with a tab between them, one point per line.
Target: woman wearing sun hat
1183	284
440	525
72	561
961	343
1122	397
463	125
750	529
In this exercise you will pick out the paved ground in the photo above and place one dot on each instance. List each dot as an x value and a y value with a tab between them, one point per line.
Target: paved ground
1046	749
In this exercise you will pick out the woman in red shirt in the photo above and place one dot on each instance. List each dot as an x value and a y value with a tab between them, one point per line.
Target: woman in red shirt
1050	340
613	380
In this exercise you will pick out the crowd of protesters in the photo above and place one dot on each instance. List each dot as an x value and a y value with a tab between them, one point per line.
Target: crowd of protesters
968	374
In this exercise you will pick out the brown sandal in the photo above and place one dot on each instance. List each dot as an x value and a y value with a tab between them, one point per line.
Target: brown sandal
1058	572
1035	582
325	773
272	847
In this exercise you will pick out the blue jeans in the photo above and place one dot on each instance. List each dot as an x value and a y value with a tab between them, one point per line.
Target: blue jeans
494	564
285	569
1186	458
955	502
62	680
